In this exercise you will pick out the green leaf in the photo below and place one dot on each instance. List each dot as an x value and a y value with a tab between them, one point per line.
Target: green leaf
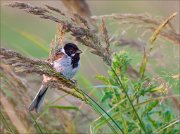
159	89
102	78
107	95
64	107
167	116
149	108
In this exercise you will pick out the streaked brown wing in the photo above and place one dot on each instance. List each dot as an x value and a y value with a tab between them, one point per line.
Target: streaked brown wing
58	55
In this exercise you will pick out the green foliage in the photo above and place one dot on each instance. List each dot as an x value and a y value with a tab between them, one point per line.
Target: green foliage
141	91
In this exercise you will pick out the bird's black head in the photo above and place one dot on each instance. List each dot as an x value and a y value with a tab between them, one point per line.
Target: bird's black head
71	49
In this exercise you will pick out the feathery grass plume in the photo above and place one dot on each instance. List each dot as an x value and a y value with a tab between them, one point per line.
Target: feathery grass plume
147	21
55	9
160	27
80	20
28	8
105	34
24	64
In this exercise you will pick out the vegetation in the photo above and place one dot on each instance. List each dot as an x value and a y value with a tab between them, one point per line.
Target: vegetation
130	98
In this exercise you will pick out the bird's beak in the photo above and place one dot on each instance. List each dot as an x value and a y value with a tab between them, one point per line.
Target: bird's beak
78	51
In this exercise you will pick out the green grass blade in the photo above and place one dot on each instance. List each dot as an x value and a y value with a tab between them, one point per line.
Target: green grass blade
104	112
99	120
64	107
166	126
106	121
34	121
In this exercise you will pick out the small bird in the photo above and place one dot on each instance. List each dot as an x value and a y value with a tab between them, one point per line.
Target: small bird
66	62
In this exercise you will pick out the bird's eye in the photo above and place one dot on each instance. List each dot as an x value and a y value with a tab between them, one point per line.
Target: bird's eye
71	51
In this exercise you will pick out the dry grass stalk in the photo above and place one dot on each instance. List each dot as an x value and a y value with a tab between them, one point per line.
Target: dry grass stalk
133	18
27	65
144	19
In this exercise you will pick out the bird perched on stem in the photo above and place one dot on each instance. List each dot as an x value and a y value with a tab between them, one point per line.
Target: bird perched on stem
66	62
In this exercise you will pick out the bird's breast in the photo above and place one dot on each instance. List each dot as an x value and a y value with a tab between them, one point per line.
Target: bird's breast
65	67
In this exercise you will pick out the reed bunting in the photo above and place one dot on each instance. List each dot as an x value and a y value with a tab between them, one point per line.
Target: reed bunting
66	62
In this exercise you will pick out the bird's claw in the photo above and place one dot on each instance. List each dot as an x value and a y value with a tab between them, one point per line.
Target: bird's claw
74	81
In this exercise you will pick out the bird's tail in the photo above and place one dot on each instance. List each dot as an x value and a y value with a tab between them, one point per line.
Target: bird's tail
39	99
